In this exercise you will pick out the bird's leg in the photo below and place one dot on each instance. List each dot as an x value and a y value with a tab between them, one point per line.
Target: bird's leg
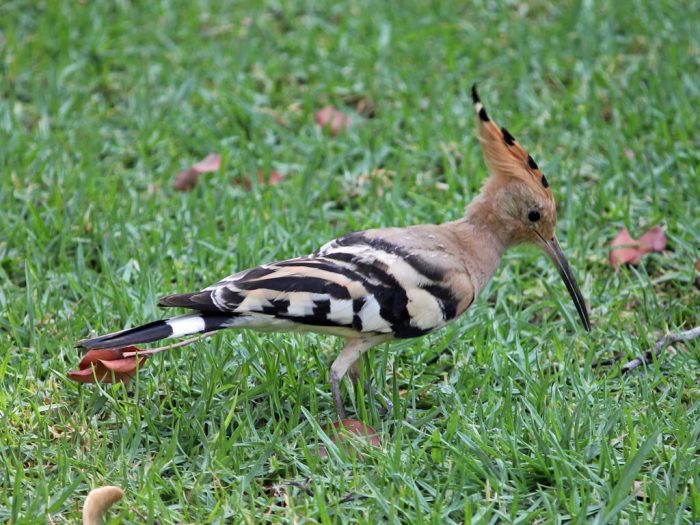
348	357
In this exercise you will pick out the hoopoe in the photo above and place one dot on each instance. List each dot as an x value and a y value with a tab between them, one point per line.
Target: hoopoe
377	285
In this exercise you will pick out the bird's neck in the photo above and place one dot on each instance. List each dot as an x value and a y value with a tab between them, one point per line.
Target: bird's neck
492	211
480	241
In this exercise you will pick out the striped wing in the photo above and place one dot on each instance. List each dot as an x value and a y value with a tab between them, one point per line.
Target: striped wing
356	283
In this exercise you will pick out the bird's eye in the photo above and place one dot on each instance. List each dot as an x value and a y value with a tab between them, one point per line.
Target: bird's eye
534	216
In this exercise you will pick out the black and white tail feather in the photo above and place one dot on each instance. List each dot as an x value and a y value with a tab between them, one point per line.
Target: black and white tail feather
352	286
182	325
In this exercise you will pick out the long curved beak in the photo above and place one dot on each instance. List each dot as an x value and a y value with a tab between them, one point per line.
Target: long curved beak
553	250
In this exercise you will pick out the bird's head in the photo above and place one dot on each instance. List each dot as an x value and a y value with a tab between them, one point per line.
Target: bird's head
518	200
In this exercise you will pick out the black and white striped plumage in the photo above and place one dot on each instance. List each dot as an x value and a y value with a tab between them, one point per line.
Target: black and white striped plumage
368	287
363	284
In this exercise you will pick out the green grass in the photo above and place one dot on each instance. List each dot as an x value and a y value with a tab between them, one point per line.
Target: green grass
499	417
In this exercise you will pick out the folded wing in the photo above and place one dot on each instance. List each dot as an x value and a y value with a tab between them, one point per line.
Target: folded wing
357	283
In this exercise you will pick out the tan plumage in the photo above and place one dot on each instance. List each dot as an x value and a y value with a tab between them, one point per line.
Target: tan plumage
373	286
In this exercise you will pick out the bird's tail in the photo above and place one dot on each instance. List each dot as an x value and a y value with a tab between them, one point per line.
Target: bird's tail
188	324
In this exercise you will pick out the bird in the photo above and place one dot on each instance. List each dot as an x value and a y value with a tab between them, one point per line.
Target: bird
379	285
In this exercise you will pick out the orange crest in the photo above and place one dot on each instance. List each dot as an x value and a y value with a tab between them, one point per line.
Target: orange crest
504	156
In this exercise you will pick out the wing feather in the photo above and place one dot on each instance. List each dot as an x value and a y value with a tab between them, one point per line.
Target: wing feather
355	282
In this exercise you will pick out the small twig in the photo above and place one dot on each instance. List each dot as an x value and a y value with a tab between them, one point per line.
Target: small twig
660	345
184	342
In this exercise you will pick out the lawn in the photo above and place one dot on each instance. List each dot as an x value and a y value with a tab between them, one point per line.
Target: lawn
500	418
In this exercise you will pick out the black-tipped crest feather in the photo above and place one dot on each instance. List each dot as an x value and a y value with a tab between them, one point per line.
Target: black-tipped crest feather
475	94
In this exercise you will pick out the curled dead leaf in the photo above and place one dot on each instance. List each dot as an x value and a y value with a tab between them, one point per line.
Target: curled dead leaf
108	366
98	501
187	179
654	239
336	121
271	179
626	250
345	431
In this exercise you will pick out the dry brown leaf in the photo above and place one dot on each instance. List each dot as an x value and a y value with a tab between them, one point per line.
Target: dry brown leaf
97	503
344	431
187	179
626	250
623	248
108	366
271	179
336	121
654	239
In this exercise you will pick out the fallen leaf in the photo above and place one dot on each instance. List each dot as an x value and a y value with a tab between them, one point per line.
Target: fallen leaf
105	354
623	248
272	179
336	121
654	239
98	501
343	432
187	179
108	366
626	250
